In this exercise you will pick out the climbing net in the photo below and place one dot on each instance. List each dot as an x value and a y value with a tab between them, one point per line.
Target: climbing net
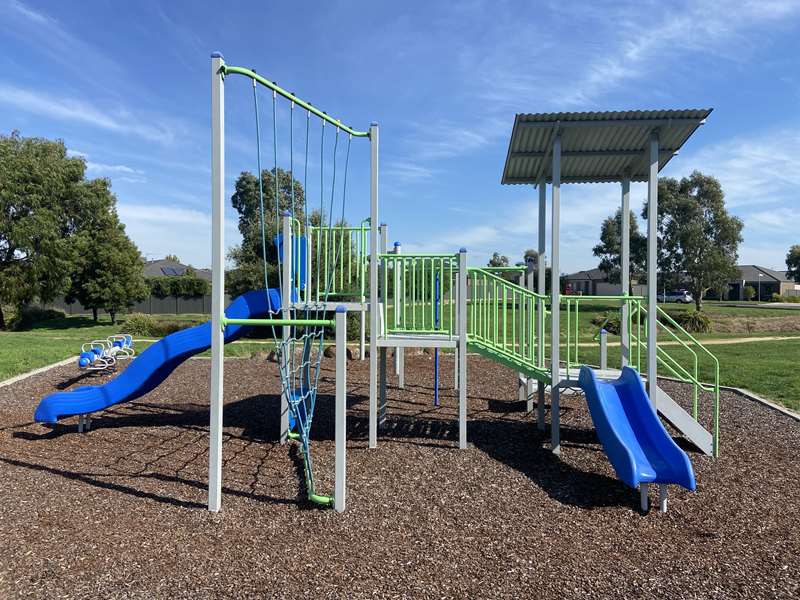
300	345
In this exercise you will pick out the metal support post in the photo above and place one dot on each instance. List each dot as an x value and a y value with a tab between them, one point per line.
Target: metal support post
652	270
462	348
340	433
384	298
603	350
373	288
399	362
555	291
286	313
624	270
217	281
541	287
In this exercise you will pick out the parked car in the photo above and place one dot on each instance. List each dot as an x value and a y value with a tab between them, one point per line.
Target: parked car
679	296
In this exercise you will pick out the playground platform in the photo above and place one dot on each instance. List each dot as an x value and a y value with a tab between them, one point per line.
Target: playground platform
121	509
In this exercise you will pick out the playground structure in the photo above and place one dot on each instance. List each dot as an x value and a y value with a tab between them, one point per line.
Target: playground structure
435	300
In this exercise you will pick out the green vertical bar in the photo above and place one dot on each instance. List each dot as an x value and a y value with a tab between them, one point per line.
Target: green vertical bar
385	294
505	318
413	294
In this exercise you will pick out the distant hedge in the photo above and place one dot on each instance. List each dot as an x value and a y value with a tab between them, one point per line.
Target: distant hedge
779	298
184	286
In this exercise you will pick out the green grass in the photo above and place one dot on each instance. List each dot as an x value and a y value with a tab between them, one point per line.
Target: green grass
768	368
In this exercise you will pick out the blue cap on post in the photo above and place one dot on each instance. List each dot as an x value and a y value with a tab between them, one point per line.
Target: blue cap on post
463	250
341	309
217	55
286	213
396	244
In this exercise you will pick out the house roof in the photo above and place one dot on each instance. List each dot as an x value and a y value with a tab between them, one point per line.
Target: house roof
172	268
592	274
596	146
751	273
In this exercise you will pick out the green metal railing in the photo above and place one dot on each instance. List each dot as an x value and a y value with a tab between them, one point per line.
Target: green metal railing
338	257
409	282
677	369
571	336
503	319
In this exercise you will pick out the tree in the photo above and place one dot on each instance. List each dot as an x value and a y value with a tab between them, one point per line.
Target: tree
248	273
530	255
610	247
40	212
108	270
498	260
699	240
793	263
172	257
749	292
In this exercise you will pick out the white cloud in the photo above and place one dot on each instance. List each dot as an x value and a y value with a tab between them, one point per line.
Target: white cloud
160	230
76	110
406	172
756	170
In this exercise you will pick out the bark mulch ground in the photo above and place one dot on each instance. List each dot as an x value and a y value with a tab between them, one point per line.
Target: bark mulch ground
120	511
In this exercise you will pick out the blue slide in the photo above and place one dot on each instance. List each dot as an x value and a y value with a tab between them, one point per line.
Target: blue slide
636	442
155	364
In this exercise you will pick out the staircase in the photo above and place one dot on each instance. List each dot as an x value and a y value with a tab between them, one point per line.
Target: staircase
505	322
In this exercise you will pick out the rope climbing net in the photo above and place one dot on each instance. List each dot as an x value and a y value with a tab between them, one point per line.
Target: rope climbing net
325	145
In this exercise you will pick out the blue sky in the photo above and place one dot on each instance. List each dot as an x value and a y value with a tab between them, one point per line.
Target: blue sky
127	86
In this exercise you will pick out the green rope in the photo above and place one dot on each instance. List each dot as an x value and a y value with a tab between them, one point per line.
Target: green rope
260	187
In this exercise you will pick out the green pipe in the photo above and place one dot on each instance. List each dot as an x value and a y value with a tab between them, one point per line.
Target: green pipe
224	321
225	70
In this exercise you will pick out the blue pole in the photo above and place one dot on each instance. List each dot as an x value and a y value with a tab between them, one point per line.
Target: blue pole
436	351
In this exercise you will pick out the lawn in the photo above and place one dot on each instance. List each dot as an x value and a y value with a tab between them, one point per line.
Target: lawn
767	367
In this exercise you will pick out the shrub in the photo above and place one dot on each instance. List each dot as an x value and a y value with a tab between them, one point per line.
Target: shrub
146	325
749	292
694	321
138	324
779	298
31	315
610	321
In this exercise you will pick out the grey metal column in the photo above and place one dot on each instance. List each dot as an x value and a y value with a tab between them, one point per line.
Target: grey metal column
457	328
382	356
652	269
286	313
399	362
541	288
462	348
218	281
373	287
555	291
340	428
624	270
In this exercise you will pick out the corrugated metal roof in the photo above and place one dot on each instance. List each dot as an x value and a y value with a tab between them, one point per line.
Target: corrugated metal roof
596	146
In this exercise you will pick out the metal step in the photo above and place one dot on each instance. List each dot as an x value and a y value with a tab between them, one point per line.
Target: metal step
681	420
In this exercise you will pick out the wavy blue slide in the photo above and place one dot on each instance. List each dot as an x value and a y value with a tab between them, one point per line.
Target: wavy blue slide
636	442
155	364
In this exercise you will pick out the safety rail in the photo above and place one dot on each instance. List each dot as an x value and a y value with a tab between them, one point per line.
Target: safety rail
571	335
506	320
418	292
337	261
674	367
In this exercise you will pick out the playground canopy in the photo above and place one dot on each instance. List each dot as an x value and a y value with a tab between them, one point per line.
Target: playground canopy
596	146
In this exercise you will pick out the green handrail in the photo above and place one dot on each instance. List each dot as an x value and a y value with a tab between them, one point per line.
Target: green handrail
502	318
681	373
411	291
226	70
